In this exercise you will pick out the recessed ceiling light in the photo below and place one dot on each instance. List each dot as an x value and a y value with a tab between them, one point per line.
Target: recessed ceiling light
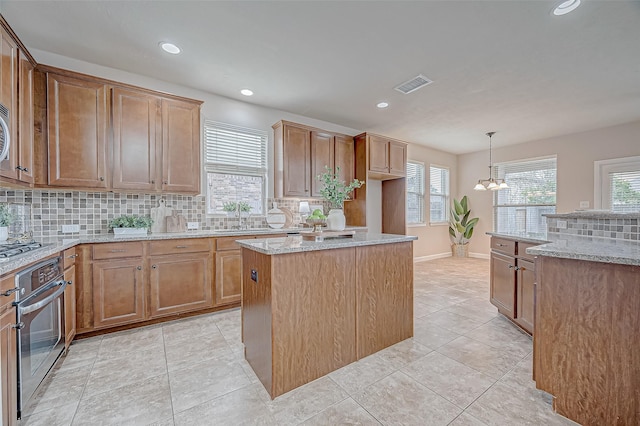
566	7
383	105
169	47
246	92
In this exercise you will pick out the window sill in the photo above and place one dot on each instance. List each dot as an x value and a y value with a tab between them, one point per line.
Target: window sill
438	223
416	225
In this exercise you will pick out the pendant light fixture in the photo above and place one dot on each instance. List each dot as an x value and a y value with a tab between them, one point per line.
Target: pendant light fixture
491	183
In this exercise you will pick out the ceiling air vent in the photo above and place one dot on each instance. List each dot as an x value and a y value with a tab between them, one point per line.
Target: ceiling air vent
414	84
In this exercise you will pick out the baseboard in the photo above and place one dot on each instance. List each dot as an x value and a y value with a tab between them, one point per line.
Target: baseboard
480	255
431	257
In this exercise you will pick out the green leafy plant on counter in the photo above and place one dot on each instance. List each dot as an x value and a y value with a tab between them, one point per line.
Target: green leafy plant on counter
334	189
232	206
460	226
131	221
6	217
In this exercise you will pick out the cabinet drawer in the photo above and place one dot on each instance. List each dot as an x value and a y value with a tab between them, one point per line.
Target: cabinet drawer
7	283
189	245
522	250
114	251
503	245
229	243
69	257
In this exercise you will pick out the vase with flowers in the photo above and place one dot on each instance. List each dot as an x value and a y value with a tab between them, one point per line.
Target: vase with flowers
336	191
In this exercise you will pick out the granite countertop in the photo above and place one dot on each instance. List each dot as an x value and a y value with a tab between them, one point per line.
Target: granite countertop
55	244
593	214
295	244
567	246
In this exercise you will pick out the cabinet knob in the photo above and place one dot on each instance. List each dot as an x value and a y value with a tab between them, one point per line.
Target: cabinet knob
510	266
69	282
165	182
139	268
153	181
500	245
101	179
73	256
154	266
517	268
18	326
10	291
22	169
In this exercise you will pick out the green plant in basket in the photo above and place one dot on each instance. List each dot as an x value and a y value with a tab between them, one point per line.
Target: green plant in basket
460	226
131	221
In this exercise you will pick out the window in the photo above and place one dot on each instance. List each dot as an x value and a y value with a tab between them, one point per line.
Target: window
235	165
438	194
531	193
415	192
617	184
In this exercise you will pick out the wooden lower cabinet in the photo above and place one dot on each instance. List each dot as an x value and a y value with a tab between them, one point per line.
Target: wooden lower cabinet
8	368
503	289
70	305
525	291
180	283
228	277
118	292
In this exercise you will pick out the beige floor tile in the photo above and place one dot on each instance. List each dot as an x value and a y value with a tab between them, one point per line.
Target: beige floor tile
166	422
403	353
454	381
483	358
465	419
400	400
184	331
521	376
60	387
501	333
109	374
470	309
140	403
452	321
61	415
81	353
305	402
347	412
127	343
360	374
502	405
184	353
203	382
240	407
431	335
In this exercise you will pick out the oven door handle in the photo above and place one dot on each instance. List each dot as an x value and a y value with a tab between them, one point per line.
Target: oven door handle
30	308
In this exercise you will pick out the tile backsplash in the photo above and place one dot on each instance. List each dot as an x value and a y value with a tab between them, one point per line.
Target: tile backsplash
93	210
613	226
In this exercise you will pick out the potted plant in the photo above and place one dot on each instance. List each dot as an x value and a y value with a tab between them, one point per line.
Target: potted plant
461	227
131	225
6	219
231	207
336	191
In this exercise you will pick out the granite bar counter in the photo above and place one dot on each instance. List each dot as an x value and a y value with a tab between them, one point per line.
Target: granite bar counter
309	308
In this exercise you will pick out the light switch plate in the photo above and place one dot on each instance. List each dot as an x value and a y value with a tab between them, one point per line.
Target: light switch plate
584	204
192	225
69	229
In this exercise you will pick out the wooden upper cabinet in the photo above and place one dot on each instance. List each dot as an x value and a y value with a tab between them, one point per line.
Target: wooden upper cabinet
26	117
397	158
135	141
322	156
77	118
180	146
9	99
344	157
378	155
387	157
297	162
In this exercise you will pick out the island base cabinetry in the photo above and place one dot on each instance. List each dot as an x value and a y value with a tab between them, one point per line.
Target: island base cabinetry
587	333
307	314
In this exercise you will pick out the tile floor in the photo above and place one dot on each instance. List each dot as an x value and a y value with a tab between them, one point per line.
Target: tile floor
465	366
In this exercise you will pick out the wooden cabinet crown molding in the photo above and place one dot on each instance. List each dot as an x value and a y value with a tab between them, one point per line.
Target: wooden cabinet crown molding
4	24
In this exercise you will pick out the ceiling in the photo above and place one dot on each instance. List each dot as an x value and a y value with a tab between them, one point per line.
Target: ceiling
505	66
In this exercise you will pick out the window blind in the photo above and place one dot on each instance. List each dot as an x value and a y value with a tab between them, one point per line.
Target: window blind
415	192
625	191
438	194
232	149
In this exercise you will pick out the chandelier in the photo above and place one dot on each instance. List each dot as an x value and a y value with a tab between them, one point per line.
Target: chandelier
491	183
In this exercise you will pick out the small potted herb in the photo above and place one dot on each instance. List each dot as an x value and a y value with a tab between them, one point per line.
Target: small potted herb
131	225
6	219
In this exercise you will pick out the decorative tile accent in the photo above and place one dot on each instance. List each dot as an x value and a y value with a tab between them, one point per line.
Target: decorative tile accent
615	226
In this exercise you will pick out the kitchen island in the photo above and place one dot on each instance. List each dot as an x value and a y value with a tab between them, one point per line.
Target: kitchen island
309	308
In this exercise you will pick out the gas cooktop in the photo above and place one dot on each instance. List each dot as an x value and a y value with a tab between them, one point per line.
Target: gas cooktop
13	249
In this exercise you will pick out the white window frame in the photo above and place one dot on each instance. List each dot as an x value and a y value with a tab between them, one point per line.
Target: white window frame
422	221
601	182
447	196
209	167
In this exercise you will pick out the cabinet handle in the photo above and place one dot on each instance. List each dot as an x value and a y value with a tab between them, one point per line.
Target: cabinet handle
181	246
72	256
501	245
22	169
139	268
10	291
18	326
165	182
154	266
510	266
101	179
69	282
117	251
519	268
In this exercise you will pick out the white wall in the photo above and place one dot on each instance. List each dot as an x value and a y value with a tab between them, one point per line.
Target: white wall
576	154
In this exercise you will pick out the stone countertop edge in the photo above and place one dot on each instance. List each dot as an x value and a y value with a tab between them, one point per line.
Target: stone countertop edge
55	244
593	249
296	244
593	214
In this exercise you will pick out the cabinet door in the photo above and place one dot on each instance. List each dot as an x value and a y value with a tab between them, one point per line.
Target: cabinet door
397	158
228	277
9	99
118	292
378	155
344	157
26	111
70	305
297	162
321	157
503	286
526	278
77	117
135	116
180	283
180	147
8	368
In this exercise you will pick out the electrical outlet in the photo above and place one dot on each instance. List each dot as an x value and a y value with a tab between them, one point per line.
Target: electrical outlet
562	224
69	229
192	225
584	204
